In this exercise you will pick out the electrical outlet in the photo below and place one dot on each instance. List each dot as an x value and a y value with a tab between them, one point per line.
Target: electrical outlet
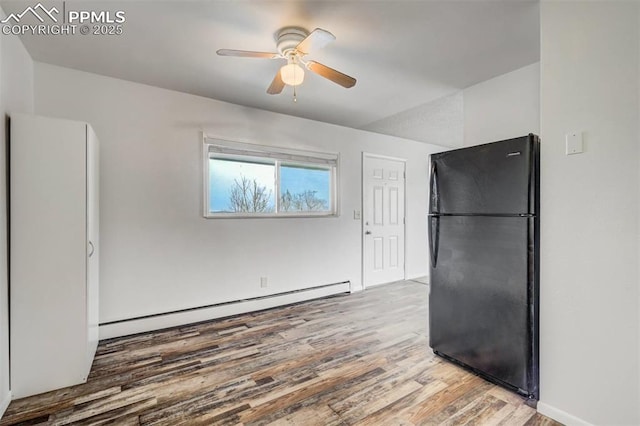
263	282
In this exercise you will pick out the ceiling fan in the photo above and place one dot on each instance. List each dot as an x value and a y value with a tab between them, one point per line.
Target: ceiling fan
293	44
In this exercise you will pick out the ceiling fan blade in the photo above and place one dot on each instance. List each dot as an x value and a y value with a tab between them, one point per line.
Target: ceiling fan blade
317	39
247	54
276	85
331	74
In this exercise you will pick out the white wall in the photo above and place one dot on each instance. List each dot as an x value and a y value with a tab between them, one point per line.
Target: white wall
16	95
504	107
438	122
590	358
158	253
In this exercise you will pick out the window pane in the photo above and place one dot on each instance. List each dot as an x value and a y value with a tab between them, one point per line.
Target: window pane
238	186
305	189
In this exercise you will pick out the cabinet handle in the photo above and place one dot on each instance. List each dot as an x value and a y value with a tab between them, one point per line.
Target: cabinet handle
92	249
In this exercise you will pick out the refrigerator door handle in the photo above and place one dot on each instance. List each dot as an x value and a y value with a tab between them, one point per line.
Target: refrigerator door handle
434	237
434	197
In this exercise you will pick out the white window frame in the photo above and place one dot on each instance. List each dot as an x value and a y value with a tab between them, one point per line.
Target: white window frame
220	148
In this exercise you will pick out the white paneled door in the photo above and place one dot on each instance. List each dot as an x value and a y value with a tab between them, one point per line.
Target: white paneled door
383	220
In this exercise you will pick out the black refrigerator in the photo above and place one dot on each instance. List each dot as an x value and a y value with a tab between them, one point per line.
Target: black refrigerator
484	246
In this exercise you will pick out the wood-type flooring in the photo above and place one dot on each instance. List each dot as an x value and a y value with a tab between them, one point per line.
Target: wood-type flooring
358	359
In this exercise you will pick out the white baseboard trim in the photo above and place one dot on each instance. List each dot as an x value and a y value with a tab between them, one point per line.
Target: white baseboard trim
158	322
416	277
423	279
560	416
5	403
380	284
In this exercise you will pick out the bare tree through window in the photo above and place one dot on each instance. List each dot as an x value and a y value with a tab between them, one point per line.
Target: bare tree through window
240	185
302	201
248	196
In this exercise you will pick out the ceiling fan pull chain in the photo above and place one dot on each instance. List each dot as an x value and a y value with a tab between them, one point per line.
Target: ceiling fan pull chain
294	94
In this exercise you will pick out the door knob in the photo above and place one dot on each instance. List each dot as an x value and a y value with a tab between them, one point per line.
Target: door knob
367	233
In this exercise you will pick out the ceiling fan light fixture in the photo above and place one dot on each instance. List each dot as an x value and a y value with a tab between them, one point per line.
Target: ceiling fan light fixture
294	44
292	74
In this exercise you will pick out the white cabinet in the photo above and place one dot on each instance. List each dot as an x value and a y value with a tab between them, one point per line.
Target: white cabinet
53	252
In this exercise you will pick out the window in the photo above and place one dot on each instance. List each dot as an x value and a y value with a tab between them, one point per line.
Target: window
243	180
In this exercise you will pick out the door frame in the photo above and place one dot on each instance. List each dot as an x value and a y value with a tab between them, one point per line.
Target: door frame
366	155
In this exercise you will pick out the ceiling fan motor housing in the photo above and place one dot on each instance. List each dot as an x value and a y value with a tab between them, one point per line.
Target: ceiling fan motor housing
288	38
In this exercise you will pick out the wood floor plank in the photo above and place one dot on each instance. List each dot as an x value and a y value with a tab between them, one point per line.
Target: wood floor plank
358	359
310	416
378	399
456	400
404	408
320	399
476	411
520	416
274	401
498	417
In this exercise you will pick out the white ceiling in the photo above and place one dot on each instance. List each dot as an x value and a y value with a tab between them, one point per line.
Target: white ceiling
403	53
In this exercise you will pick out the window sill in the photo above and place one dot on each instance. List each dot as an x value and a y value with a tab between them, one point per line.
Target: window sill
270	216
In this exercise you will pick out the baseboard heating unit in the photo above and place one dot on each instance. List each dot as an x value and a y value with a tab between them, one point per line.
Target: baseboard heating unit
219	310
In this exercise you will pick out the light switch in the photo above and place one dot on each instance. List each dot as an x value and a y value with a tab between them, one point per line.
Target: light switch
356	214
574	143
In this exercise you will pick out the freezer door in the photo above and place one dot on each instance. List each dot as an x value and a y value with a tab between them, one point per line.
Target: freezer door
483	297
496	178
